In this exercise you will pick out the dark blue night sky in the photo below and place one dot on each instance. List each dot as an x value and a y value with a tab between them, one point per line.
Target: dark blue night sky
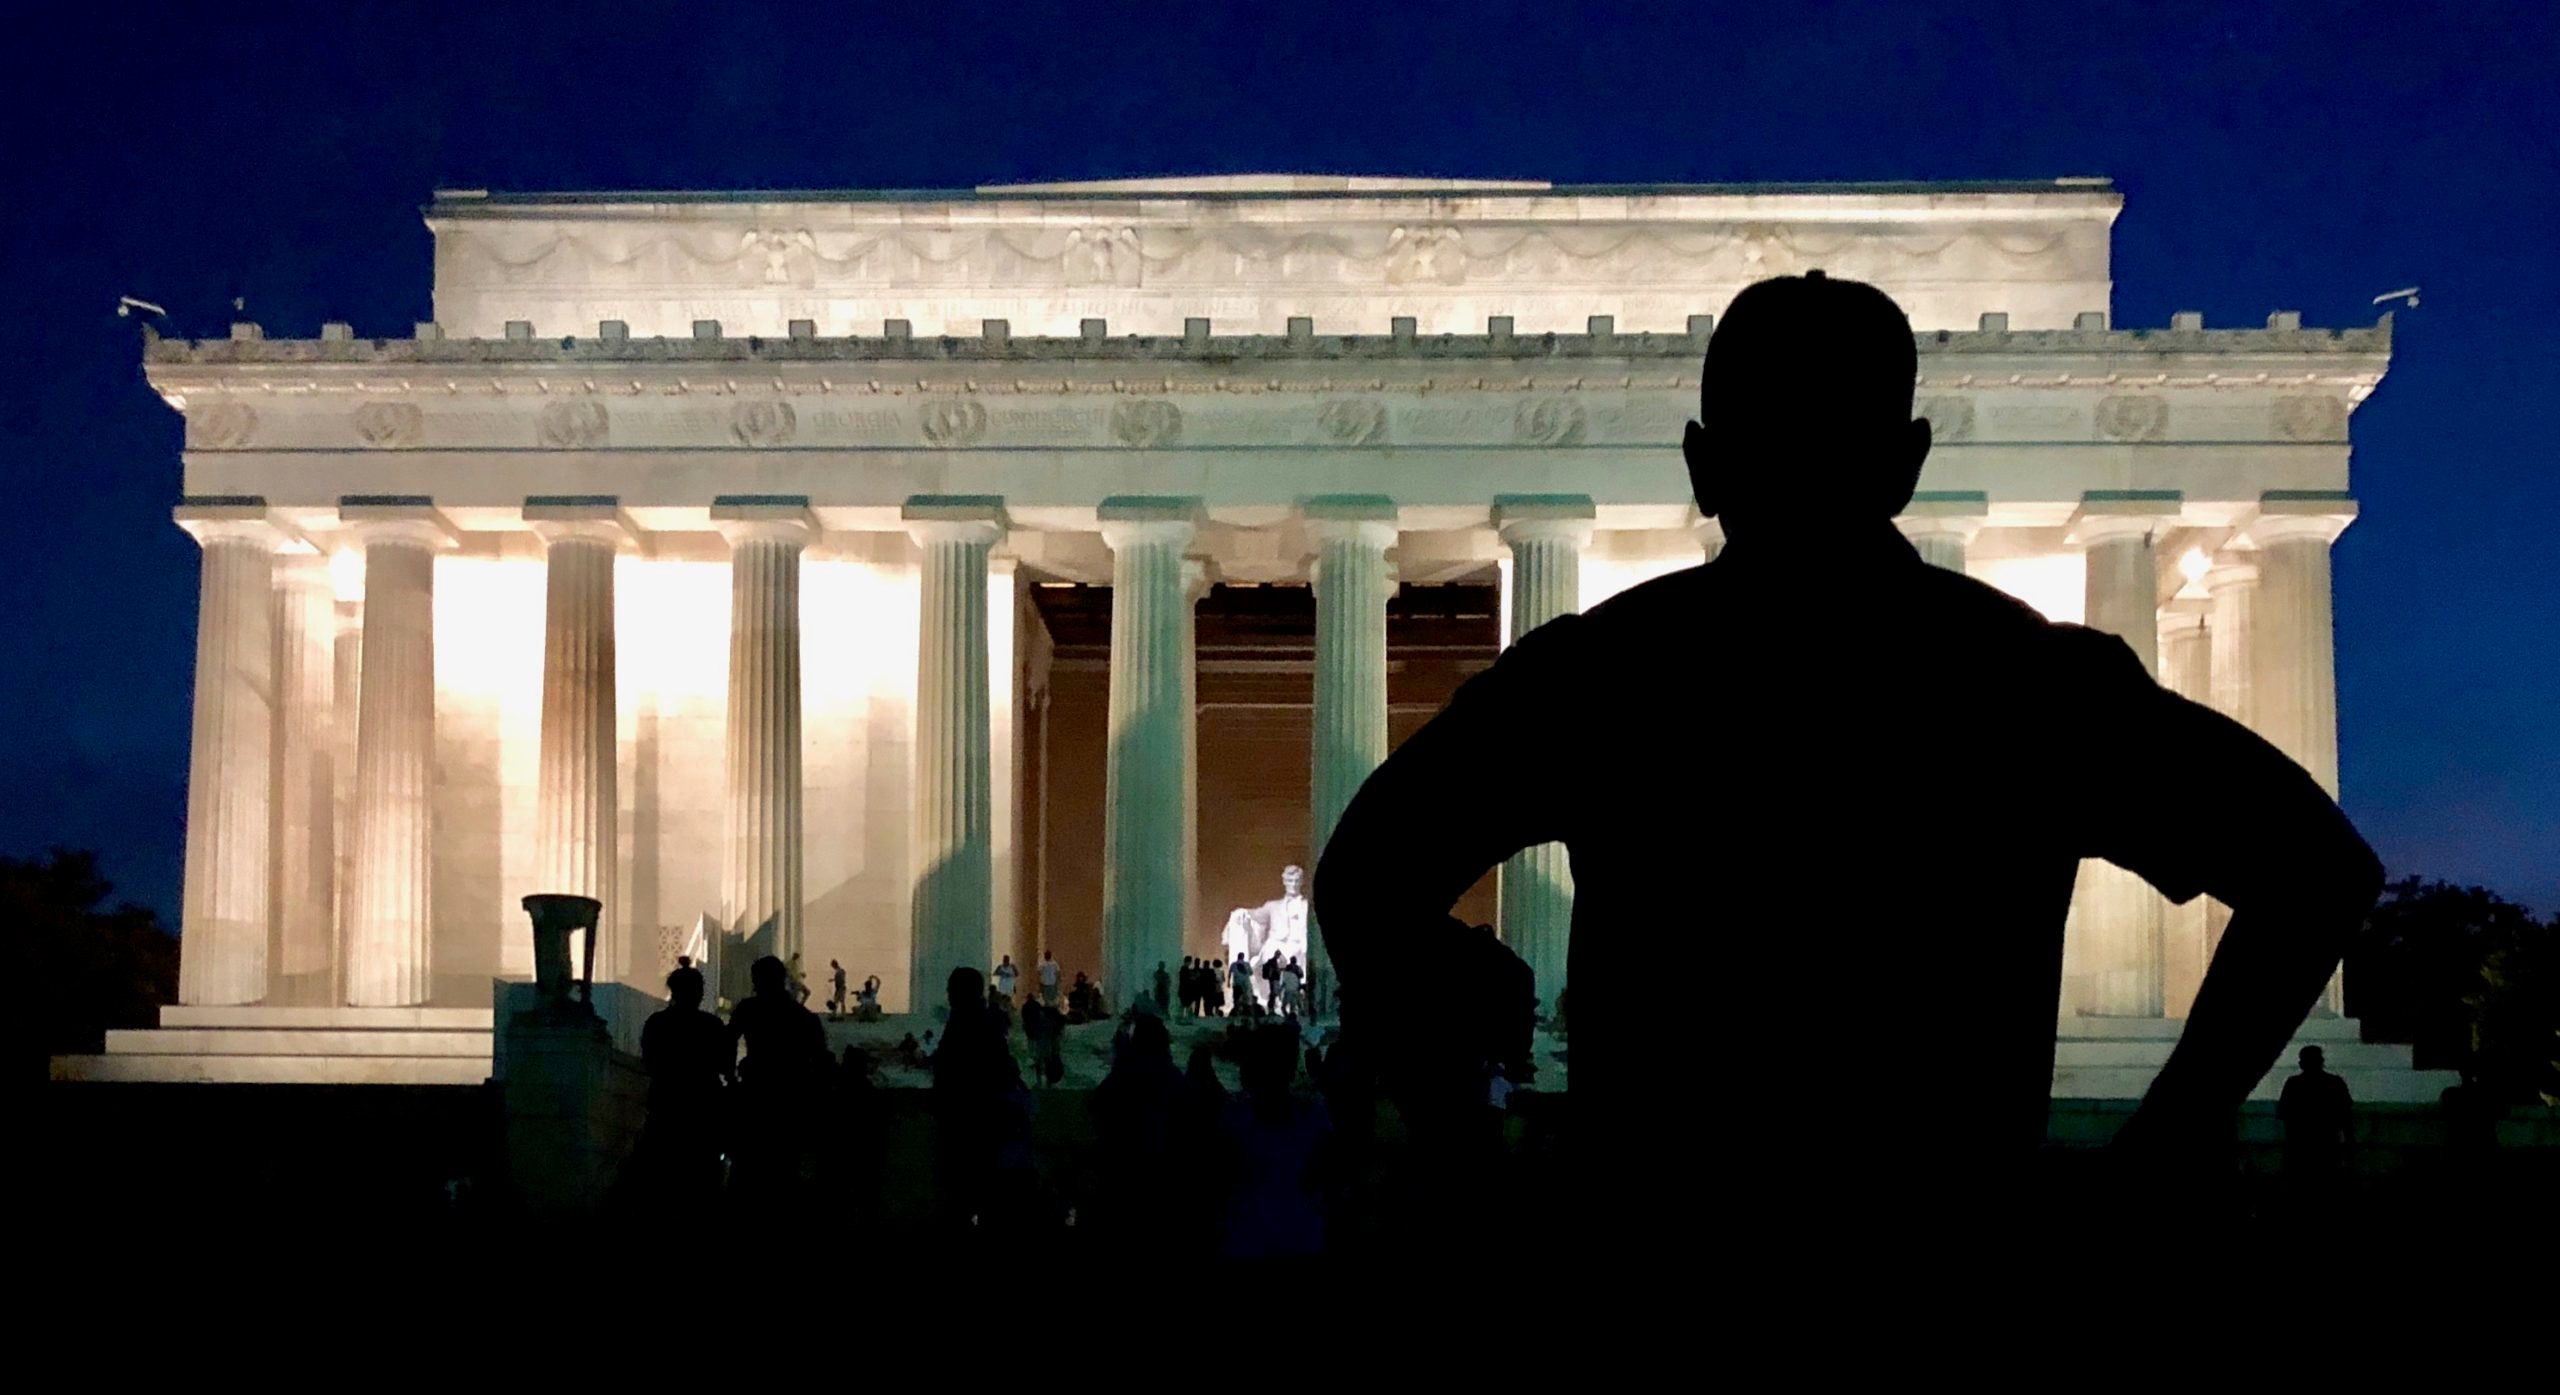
2293	155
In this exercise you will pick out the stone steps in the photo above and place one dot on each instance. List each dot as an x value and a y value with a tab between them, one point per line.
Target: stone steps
259	1045
2314	1031
2342	1056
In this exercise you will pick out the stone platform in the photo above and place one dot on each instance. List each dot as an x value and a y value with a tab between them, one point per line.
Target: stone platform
2115	1058
259	1045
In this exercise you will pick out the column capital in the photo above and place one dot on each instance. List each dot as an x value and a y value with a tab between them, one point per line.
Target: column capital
398	518
1528	517
580	518
1134	519
955	518
1708	530
2112	515
782	518
2224	575
1958	514
2287	515
233	518
1363	518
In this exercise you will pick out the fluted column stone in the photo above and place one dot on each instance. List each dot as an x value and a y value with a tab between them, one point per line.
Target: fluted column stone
346	660
224	905
1546	535
1142	876
954	822
2293	673
2186	668
1351	535
390	930
577	821
760	881
2121	915
304	822
1195	586
1709	533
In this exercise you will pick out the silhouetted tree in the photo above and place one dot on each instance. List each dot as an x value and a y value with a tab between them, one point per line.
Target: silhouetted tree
2468	977
95	965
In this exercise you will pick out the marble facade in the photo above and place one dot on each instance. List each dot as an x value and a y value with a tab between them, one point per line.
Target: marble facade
683	555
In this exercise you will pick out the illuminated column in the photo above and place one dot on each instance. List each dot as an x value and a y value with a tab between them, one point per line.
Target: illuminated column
222	925
1004	757
760	870
954	821
1546	534
1942	526
577	824
2121	915
304	824
389	932
2293	675
346	662
1195	584
1351	534
2231	625
2186	668
1142	876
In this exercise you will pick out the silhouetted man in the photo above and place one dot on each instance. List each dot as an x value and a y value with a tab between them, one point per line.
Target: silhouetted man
779	1082
689	1058
1816	722
2317	1111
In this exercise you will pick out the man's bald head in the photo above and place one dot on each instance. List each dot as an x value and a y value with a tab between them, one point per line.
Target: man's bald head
1804	412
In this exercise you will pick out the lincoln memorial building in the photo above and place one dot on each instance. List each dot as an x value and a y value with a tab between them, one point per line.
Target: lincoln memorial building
909	579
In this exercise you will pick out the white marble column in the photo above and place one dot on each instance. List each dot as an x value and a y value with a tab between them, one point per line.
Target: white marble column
1546	536
1142	876
577	819
1709	533
2121	916
346	661
1195	586
1942	526
304	822
1351	535
2293	675
2186	668
223	909
390	930
760	882
954	819
2231	589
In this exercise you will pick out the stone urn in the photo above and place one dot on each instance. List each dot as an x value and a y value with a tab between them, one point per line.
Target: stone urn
557	916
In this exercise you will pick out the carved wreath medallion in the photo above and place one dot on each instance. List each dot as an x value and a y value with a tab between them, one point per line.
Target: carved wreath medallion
1353	421
954	423
2311	418
390	425
1548	421
763	423
2133	418
1146	425
1949	418
221	426
577	423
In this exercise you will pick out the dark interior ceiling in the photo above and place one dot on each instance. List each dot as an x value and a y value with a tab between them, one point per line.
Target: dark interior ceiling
1279	622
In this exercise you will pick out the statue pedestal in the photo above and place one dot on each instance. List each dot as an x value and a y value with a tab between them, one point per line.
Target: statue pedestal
574	1108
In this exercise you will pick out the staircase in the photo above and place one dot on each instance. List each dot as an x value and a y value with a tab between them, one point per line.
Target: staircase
2115	1058
259	1045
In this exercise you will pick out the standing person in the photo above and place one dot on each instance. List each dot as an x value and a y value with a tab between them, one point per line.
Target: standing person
836	992
785	1066
799	981
1048	978
1164	990
2318	1113
1288	989
689	1059
1213	988
1765	675
1006	977
1271	983
1240	974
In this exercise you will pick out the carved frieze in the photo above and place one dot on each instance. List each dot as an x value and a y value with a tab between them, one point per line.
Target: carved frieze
577	423
223	426
1102	256
390	425
1353	421
1548	421
2311	418
774	257
2133	418
763	423
954	422
1147	424
1949	418
1430	254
